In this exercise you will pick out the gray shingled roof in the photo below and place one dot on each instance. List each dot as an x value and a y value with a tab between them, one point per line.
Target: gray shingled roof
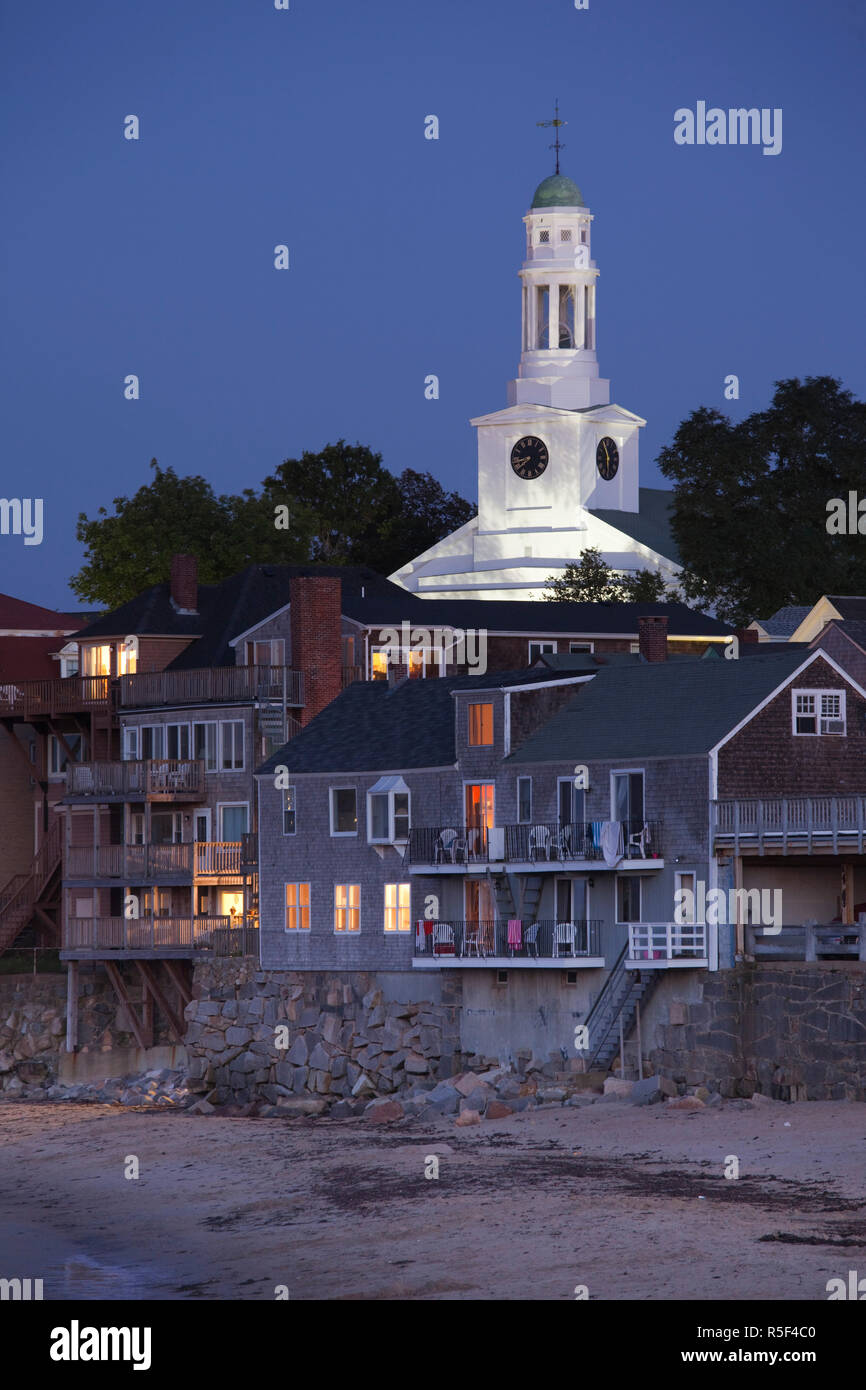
785	621
654	710
376	727
651	526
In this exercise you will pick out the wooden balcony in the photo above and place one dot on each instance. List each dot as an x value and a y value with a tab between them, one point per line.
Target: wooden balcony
129	863
74	694
796	824
212	685
215	858
156	937
808	941
155	779
667	946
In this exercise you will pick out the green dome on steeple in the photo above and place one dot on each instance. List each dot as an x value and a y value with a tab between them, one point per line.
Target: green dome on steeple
558	192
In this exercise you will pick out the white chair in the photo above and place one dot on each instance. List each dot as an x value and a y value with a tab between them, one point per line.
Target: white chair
539	842
443	939
449	846
640	839
563	935
530	940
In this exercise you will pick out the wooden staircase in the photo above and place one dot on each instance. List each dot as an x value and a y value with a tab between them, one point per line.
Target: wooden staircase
22	898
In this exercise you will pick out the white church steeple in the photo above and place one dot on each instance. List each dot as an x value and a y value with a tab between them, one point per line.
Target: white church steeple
558	362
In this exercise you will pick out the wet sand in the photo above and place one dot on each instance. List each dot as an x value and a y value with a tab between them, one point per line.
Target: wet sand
629	1202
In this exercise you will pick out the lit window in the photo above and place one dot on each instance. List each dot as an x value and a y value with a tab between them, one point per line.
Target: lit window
297	907
379	661
480	725
347	907
398	907
96	661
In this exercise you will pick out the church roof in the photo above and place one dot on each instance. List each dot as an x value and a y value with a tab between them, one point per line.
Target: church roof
557	191
651	526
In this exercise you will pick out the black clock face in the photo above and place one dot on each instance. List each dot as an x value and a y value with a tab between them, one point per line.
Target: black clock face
529	457
607	458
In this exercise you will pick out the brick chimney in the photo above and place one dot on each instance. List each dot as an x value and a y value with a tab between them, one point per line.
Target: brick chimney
653	638
184	583
317	647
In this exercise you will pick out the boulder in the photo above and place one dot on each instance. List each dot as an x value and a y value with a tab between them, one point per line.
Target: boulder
301	1105
551	1094
685	1103
498	1110
415	1064
615	1086
363	1086
468	1117
381	1112
651	1090
468	1083
202	1107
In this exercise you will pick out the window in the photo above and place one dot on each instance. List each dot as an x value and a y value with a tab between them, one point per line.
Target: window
232	744
347	907
627	800
565	234
69	664
379	664
818	711
479	804
344	811
289	823
205	745
96	661
271	652
536	649
398	906
136	828
153	740
234	820
583	235
297	907
130	744
177	740
580	646
388	811
480	726
570	802
524	800
58	758
127	657
628	899
544	236
166	828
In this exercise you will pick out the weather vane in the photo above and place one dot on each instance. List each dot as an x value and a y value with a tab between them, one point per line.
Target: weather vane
556	123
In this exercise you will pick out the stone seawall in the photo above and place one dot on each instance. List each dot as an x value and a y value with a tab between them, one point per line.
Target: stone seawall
791	1030
344	1037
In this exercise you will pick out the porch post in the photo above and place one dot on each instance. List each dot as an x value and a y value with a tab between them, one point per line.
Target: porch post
72	1006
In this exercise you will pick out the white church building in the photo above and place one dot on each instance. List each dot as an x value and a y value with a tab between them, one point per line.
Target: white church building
558	468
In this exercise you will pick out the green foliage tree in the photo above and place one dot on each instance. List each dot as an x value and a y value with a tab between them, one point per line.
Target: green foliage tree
750	502
342	507
593	581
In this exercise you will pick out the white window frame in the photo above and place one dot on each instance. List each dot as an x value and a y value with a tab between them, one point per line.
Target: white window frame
298	907
342	834
226	806
158	735
348	908
581	646
232	724
54	770
391	837
400	910
131	743
205	812
574	790
626	772
179	757
277	646
207	724
817	697
546	647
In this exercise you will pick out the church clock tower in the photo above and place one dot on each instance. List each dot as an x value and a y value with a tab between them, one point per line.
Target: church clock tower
558	467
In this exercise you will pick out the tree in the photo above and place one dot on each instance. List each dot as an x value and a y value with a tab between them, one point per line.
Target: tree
341	506
593	581
750	505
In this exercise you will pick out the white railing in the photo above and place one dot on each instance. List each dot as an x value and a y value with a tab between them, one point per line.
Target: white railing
651	943
218	857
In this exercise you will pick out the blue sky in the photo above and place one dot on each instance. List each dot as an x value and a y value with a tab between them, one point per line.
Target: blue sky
306	127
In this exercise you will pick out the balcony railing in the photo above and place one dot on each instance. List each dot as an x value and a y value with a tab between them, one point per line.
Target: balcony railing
162	779
810	941
212	685
47	697
535	843
217	857
129	863
795	820
183	935
352	674
545	940
665	943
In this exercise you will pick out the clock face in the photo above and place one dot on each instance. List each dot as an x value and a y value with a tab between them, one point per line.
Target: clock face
607	458
529	457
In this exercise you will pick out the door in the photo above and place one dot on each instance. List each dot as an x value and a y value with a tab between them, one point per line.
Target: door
479	816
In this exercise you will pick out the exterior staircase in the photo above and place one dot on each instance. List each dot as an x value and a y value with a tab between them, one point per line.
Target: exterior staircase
622	992
274	724
530	897
21	895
